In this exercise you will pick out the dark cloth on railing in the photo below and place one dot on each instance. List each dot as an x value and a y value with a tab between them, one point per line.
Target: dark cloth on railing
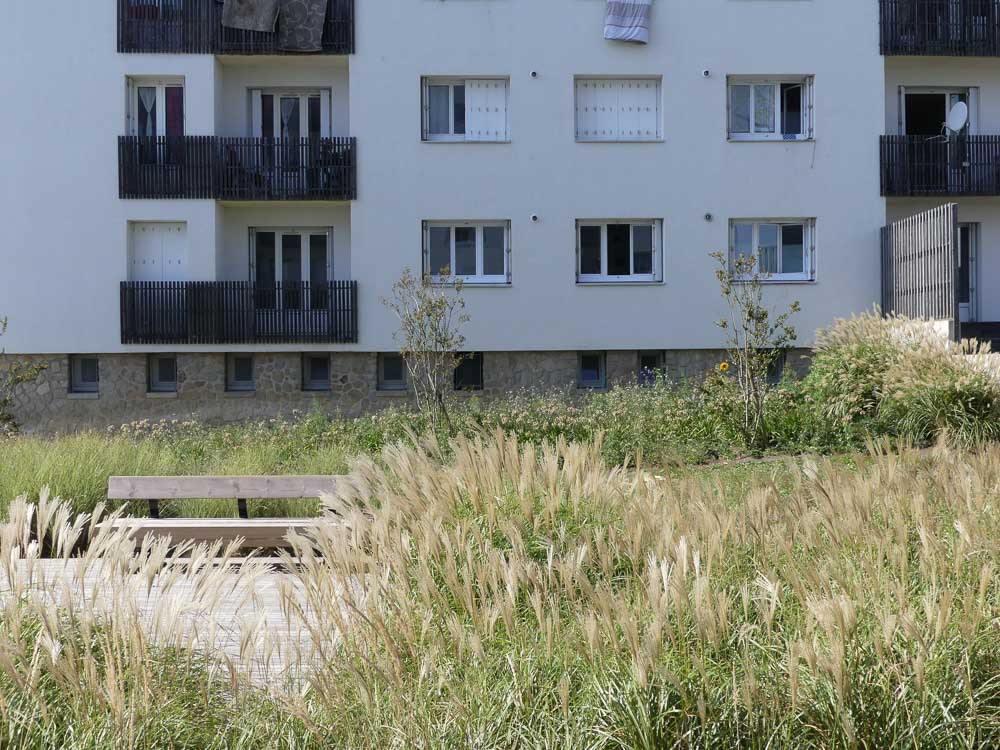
250	15
300	25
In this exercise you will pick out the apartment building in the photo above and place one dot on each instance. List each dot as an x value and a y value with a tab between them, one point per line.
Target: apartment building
202	221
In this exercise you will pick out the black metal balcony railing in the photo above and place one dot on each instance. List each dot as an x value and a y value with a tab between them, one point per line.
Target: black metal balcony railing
914	165
195	26
237	169
940	27
239	312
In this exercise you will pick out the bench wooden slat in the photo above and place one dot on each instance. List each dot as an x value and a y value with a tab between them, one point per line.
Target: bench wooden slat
258	532
222	488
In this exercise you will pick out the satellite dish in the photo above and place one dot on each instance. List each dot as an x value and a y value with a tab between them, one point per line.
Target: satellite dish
958	118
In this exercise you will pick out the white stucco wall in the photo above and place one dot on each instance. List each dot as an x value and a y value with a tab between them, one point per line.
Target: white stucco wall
66	250
544	171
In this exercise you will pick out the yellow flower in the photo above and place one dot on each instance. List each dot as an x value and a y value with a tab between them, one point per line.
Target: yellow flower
724	367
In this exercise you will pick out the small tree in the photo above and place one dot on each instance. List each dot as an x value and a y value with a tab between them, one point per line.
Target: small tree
12	374
429	337
756	337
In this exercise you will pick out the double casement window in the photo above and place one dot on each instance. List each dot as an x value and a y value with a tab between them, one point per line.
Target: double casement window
459	109
290	115
784	249
619	251
478	252
155	115
618	109
291	268
764	110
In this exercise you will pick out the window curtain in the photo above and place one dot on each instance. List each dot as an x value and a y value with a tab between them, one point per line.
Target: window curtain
147	114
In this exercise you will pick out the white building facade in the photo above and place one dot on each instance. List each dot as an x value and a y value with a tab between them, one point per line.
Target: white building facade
200	222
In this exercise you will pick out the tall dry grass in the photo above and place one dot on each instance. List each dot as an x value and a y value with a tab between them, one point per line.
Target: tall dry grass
515	596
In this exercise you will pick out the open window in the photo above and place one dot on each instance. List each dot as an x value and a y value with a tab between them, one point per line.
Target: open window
784	249
619	250
478	252
765	110
461	110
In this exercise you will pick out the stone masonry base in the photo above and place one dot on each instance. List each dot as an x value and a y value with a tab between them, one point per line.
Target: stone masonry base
47	405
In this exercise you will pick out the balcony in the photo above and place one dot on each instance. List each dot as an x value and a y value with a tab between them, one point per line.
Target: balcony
957	28
239	312
195	26
917	165
237	169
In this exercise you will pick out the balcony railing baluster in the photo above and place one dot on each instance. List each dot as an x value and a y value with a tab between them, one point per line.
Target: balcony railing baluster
195	26
239	312
967	28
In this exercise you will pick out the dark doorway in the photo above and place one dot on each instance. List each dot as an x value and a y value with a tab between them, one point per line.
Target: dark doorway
925	113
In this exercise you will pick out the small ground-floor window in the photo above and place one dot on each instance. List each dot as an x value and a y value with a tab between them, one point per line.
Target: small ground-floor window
315	372
592	370
162	373
651	367
469	373
84	374
240	372
391	372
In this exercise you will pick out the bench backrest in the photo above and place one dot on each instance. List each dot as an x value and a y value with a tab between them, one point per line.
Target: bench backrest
243	488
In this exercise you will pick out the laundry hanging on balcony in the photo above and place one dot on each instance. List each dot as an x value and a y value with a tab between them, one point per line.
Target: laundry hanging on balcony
250	15
628	21
300	25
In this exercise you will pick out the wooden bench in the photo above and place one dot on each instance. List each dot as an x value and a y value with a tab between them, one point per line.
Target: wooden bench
256	532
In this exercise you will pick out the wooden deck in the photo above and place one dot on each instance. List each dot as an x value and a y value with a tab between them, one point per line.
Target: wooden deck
243	617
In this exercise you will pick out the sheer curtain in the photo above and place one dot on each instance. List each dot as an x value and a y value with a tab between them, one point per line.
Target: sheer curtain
147	111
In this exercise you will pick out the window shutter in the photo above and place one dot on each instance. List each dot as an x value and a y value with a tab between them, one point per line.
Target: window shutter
637	109
510	273
649	109
810	107
811	227
130	126
256	113
607	109
426	252
900	111
658	242
584	116
499	116
486	110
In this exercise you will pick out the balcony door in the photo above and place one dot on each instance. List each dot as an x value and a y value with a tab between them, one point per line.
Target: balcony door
155	115
158	251
291	268
968	251
939	160
291	125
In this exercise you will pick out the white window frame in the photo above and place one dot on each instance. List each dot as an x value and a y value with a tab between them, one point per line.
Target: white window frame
584	82
451	136
76	382
132	86
154	383
240	386
309	384
655	277
808	241
479	277
808	107
390	385
602	381
303	95
305	234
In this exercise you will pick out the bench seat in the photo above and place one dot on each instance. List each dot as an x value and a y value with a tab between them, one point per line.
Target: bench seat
256	532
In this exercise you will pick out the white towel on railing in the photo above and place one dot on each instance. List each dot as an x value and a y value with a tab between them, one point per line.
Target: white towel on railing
628	20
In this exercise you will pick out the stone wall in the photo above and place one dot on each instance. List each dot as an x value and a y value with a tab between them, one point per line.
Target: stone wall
47	405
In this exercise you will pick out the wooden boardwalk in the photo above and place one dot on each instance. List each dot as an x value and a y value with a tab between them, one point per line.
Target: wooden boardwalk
244	616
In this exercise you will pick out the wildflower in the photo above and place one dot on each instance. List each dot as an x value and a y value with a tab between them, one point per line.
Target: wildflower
723	367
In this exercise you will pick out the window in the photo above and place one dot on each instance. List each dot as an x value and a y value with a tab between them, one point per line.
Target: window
291	268
776	367
290	115
391	372
591	371
469	373
770	110
155	107
651	367
162	373
466	109
784	248
240	372
316	372
618	250
84	374
476	252
618	109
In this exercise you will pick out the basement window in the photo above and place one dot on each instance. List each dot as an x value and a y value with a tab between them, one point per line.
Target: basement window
651	367
240	373
84	374
592	370
469	373
391	372
316	372
162	373
770	110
